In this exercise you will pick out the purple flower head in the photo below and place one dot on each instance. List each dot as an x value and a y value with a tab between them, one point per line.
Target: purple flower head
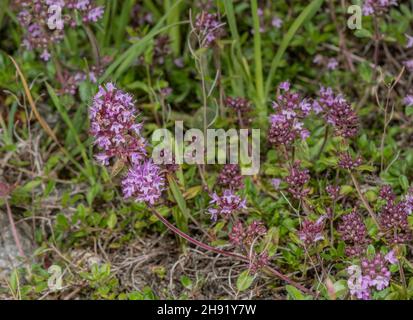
144	182
409	65
332	64
358	285
333	191
409	41
140	16
114	127
209	28
42	30
408	100
285	86
337	112
354	233
246	236
242	108
386	193
312	231
258	261
393	218
230	177
45	56
326	62
87	9
373	274
94	14
408	201
376	272
297	180
347	162
391	257
161	50
237	234
371	7
226	204
276	183
276	22
286	125
238	104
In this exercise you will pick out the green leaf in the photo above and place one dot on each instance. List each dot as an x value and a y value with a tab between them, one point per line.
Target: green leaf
409	110
112	220
244	281
92	193
186	282
346	189
363	33
340	288
404	182
294	293
179	197
14	281
365	167
28	187
371	251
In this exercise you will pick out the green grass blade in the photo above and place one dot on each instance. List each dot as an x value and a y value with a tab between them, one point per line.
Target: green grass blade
125	60
174	32
259	78
182	215
305	15
104	33
232	22
123	21
236	51
63	113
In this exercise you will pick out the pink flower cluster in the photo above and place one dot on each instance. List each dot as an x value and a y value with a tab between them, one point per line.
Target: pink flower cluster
230	177
246	239
35	17
297	180
346	161
258	261
226	204
238	104
371	7
241	235
312	231
329	63
373	274
144	182
394	215
333	191
286	125
354	233
118	135
242	108
208	28
113	124
337	112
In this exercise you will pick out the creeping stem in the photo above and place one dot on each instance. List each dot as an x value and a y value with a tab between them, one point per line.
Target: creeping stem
225	253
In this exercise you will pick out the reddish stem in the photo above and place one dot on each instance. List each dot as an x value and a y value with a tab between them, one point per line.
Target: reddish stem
226	253
14	230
